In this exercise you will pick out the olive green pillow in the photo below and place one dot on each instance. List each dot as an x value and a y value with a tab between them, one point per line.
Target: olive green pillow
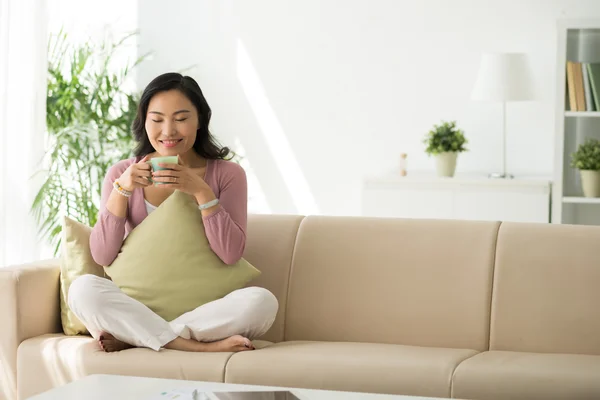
75	260
167	264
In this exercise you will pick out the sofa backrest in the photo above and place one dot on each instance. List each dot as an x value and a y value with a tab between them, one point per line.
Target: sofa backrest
411	282
463	284
269	247
546	295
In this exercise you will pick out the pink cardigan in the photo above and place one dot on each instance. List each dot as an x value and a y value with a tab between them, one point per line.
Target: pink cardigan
225	228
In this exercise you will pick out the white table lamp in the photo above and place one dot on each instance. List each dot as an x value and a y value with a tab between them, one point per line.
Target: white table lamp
503	77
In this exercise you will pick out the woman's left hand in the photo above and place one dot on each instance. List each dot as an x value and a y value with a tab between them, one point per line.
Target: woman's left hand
185	179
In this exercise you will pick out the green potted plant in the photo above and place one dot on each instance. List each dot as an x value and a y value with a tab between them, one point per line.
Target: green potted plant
445	142
587	160
89	113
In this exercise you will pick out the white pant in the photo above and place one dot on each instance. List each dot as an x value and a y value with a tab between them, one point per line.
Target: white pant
102	307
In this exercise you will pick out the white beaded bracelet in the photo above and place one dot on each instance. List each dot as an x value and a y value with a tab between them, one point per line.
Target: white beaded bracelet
119	189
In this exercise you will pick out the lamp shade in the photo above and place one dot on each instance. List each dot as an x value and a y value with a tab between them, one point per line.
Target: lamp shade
504	77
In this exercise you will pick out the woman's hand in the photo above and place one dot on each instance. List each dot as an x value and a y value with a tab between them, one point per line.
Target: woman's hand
185	179
136	175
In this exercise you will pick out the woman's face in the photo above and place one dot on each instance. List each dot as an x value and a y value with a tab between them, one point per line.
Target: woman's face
171	123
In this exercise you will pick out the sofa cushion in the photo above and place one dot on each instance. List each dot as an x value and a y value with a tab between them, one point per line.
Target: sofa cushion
546	296
528	376
360	367
166	262
384	280
48	361
76	260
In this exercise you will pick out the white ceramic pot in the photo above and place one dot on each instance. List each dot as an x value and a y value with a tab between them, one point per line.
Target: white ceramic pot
590	181
445	163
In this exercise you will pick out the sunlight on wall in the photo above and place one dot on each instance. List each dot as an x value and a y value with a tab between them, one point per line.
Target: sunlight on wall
274	135
257	202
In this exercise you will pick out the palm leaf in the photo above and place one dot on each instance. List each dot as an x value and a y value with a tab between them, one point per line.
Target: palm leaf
88	118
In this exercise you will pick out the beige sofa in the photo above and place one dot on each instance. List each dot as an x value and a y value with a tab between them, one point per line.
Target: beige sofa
472	310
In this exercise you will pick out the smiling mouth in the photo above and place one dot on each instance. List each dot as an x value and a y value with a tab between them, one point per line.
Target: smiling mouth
170	143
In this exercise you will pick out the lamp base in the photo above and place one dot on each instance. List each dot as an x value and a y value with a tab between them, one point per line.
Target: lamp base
500	175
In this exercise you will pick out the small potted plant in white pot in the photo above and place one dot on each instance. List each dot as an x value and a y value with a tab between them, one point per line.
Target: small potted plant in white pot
587	160
445	142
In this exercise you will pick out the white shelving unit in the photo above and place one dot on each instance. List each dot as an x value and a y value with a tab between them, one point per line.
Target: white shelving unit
578	40
582	114
580	200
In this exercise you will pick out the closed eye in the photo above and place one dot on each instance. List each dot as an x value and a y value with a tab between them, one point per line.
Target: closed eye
181	120
157	120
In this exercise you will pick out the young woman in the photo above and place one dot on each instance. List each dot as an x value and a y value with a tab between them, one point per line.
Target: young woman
172	120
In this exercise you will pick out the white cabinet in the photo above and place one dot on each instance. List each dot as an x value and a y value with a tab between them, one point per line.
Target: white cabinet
461	197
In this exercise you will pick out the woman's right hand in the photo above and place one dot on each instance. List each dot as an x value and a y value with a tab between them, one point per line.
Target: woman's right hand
136	175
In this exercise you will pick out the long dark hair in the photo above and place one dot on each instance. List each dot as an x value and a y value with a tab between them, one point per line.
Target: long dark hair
205	145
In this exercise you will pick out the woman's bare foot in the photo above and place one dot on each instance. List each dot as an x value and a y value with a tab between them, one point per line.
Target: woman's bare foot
231	344
234	343
109	343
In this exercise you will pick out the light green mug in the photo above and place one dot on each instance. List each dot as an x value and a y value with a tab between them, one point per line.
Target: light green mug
159	160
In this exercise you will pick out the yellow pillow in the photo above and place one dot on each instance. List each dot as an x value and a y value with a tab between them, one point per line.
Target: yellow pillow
75	260
167	264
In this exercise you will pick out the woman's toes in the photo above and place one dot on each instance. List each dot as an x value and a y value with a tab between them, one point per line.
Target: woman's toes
242	341
237	343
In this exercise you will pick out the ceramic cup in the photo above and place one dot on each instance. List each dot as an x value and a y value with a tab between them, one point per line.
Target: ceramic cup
158	160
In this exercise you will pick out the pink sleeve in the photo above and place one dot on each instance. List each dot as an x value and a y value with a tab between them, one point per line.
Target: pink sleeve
226	228
107	235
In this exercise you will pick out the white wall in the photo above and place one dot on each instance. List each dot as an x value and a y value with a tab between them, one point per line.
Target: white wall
97	22
321	93
85	20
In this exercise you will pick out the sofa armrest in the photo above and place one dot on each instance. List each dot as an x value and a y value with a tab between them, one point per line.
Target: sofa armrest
29	307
